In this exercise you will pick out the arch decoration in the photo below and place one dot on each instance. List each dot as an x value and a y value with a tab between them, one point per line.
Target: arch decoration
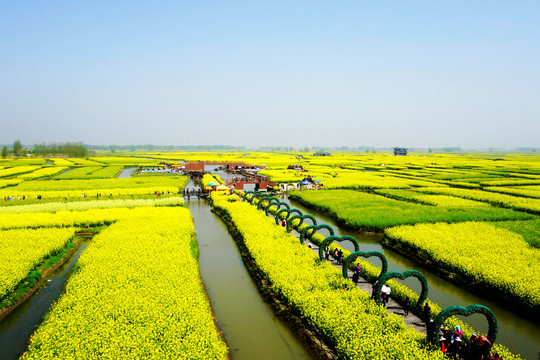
353	256
333	238
278	206
404	275
289	211
466	311
301	217
305	231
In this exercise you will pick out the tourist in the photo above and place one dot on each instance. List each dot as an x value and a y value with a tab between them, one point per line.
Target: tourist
475	348
407	305
327	253
356	274
373	289
426	314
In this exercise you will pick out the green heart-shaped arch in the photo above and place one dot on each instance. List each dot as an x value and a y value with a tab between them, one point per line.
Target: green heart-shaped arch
353	256
277	205
406	274
265	198
466	311
301	217
288	211
261	199
332	238
250	192
254	196
305	230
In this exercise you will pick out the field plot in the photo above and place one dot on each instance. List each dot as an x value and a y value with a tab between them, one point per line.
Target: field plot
72	189
371	212
52	207
42	173
493	258
78	173
136	294
503	200
92	172
532	191
22	251
11	171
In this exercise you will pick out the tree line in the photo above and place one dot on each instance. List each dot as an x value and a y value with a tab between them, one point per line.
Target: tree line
69	149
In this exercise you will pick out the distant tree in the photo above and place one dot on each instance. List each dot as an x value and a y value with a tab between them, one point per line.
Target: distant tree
430	150
75	149
5	152
17	148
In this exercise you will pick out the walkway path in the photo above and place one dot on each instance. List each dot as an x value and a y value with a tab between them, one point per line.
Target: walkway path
411	320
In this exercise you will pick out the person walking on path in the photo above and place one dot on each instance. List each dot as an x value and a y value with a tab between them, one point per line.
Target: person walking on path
340	255
427	313
356	275
407	305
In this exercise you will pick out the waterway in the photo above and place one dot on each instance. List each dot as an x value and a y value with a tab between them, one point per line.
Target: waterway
127	173
515	332
17	327
248	324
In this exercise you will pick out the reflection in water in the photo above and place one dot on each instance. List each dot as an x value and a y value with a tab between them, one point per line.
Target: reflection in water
523	335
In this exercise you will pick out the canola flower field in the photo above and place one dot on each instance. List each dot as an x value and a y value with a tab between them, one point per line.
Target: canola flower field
135	294
347	317
23	249
482	254
452	198
399	291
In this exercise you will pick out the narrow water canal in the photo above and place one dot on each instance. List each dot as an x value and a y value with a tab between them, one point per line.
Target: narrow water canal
249	327
17	327
515	332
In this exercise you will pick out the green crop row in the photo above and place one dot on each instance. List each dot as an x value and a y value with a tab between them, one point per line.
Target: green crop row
532	191
371	212
53	207
508	201
42	173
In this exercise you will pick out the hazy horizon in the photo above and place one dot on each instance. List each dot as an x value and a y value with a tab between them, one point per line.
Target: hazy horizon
314	74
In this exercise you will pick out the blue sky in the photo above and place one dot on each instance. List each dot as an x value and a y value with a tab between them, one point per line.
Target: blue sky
280	73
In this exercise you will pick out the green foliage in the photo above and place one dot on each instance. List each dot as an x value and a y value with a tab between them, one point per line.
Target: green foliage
371	212
70	149
18	148
528	229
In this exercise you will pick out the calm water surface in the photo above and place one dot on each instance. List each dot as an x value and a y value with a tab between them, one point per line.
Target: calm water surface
248	324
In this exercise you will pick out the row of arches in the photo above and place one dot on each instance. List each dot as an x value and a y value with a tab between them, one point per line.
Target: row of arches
284	211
